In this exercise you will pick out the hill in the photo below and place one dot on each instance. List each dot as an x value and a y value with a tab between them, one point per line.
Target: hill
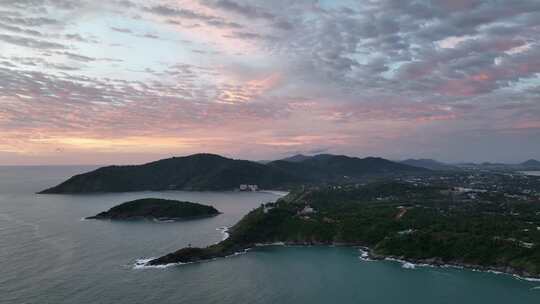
214	172
296	158
531	163
355	167
429	164
195	172
341	168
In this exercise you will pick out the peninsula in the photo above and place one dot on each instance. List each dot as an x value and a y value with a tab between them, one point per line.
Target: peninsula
210	172
402	220
157	209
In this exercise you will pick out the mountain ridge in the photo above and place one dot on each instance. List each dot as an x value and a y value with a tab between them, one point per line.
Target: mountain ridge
206	171
531	163
429	164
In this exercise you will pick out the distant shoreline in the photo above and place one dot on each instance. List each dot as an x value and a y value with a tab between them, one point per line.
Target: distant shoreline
530	173
274	192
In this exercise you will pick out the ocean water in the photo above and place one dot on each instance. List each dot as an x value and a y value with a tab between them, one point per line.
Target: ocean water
533	173
49	255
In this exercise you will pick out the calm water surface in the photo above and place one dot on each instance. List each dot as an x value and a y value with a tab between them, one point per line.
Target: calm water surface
49	255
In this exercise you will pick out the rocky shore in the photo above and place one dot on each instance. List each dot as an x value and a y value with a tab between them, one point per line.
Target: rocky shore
438	262
195	255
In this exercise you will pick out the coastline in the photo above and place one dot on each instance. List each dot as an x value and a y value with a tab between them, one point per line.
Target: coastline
367	255
275	192
412	264
150	218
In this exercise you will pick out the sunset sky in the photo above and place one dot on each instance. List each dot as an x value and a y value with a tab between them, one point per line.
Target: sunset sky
118	81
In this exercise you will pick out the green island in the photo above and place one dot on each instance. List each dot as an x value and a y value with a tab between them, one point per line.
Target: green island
157	209
418	223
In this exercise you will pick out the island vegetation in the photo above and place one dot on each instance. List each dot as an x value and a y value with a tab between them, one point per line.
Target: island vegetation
157	209
418	223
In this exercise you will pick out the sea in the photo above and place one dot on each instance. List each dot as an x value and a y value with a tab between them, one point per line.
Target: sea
50	254
532	173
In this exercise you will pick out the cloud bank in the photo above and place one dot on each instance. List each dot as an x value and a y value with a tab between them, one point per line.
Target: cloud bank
129	81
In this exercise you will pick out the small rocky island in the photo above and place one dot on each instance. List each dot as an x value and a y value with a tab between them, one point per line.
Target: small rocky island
157	209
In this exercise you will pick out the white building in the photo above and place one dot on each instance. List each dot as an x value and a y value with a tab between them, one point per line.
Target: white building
245	187
307	210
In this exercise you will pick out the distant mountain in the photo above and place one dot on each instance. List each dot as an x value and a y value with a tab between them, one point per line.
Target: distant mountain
429	164
531	163
296	158
354	166
338	168
214	172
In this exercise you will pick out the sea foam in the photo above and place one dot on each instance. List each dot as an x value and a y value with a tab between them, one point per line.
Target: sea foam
269	244
224	231
143	264
364	255
408	265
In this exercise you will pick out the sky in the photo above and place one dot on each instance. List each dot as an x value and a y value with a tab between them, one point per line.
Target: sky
128	81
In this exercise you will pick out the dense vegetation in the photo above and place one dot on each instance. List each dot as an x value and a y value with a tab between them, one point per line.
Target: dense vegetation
418	223
213	172
154	208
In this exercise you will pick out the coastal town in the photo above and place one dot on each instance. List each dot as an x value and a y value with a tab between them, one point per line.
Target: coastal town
248	187
471	185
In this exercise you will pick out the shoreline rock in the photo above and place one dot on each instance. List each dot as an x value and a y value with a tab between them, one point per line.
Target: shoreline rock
190	255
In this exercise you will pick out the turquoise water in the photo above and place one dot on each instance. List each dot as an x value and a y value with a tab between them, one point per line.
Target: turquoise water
49	255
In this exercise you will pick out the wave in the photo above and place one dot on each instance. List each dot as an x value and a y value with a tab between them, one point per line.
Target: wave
143	264
409	265
224	231
527	279
364	255
275	192
236	253
156	220
269	244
